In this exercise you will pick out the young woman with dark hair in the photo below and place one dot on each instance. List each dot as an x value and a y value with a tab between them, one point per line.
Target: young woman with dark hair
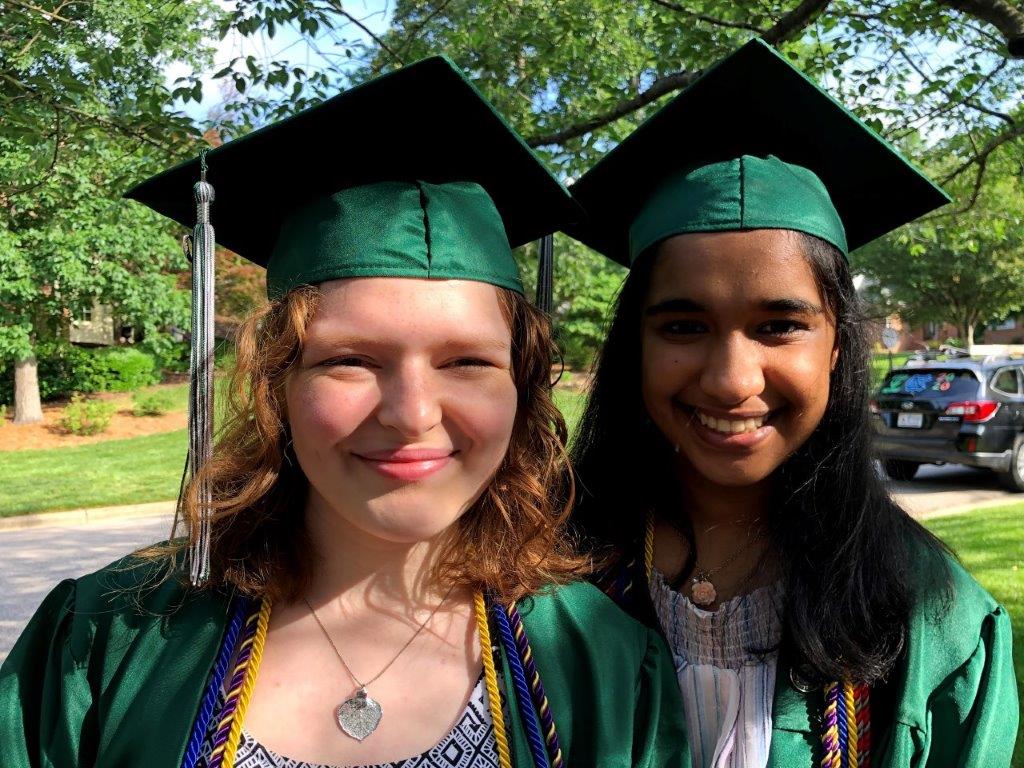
724	458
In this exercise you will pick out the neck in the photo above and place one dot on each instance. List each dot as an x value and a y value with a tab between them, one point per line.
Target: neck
354	566
727	524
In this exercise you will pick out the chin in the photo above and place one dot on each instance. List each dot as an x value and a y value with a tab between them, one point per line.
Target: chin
403	525
732	474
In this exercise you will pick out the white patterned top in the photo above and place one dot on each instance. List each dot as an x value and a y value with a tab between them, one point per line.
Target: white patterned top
470	744
726	677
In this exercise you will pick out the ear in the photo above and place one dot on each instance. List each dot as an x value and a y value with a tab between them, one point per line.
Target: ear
835	356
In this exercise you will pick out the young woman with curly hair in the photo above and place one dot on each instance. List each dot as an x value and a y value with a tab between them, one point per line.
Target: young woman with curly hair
386	578
724	459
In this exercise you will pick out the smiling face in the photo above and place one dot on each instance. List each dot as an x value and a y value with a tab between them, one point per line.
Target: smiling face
737	352
403	404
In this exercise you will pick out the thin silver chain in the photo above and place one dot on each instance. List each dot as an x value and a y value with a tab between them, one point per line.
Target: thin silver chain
705	575
401	650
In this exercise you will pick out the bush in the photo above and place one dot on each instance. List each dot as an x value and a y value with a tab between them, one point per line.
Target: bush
152	403
87	417
124	369
65	369
3	415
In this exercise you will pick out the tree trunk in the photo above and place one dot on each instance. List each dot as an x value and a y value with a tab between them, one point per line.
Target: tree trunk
969	335
27	407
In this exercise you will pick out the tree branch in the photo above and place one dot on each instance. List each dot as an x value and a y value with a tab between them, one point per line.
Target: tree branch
1001	15
1008	135
705	18
659	88
36	9
376	38
784	29
794	21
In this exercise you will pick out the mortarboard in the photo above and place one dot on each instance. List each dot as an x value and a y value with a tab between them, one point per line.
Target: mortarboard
752	144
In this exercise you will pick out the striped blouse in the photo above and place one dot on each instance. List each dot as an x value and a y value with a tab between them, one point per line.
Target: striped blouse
726	678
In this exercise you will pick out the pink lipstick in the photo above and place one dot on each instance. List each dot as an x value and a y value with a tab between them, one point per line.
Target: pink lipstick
407	464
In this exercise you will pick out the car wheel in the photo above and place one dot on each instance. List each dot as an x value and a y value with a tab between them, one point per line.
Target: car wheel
1014	479
900	469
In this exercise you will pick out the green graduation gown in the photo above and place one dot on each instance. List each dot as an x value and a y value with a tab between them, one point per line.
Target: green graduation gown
109	672
954	692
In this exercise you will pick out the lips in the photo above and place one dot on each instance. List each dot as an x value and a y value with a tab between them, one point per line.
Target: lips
728	431
406	464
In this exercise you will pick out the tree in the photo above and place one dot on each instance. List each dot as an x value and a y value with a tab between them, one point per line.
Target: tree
73	242
967	267
84	112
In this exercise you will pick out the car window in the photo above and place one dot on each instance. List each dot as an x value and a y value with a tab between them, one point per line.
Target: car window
933	382
1006	382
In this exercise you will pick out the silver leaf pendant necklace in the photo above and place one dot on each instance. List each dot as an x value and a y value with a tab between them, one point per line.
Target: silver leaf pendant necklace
359	715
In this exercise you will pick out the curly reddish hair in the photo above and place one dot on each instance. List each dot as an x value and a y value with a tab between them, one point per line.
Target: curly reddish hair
512	540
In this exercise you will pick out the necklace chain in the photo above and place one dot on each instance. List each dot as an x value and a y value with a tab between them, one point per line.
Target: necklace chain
705	574
401	650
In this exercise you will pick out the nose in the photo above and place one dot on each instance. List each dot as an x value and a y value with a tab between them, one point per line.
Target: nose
410	401
733	370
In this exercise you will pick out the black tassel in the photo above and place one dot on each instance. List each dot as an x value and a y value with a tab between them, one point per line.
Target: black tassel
546	273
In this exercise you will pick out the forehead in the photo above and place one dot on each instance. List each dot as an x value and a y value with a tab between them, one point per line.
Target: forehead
408	307
733	267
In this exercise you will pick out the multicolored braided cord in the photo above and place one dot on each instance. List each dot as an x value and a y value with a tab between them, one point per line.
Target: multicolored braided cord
846	726
243	680
522	689
220	669
491	681
539	696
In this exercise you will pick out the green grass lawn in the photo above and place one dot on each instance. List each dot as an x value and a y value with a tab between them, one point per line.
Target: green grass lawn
990	542
112	472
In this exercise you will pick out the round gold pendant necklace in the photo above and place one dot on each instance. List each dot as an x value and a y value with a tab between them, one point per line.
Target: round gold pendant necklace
359	715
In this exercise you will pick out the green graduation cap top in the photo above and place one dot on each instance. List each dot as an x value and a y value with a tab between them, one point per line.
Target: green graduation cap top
413	174
752	144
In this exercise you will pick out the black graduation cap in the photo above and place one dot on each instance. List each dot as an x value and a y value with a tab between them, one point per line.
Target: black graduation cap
753	103
423	123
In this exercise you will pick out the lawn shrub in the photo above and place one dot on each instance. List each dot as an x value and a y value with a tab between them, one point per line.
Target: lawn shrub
123	369
87	417
152	403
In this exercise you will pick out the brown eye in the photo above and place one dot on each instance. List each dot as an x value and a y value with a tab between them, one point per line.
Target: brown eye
683	328
782	327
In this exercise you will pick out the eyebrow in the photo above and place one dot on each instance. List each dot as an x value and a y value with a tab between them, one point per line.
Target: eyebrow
683	306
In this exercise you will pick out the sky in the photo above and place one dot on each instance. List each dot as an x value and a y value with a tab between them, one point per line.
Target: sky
288	44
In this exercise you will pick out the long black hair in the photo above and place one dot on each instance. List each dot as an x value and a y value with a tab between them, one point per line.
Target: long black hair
850	557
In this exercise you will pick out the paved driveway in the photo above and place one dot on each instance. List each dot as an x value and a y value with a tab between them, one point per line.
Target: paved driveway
34	560
940	490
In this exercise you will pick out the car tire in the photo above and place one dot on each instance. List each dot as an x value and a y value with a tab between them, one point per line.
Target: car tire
900	469
1014	478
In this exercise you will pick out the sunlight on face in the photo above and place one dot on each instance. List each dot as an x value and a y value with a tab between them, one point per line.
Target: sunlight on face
402	407
737	351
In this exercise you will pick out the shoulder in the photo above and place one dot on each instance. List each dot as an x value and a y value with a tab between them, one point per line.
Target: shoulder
580	615
127	598
953	627
951	609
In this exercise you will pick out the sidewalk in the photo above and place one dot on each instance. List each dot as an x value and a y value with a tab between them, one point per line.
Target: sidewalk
918	505
85	516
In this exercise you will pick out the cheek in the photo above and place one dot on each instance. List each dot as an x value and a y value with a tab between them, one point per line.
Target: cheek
804	380
485	415
665	369
323	411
